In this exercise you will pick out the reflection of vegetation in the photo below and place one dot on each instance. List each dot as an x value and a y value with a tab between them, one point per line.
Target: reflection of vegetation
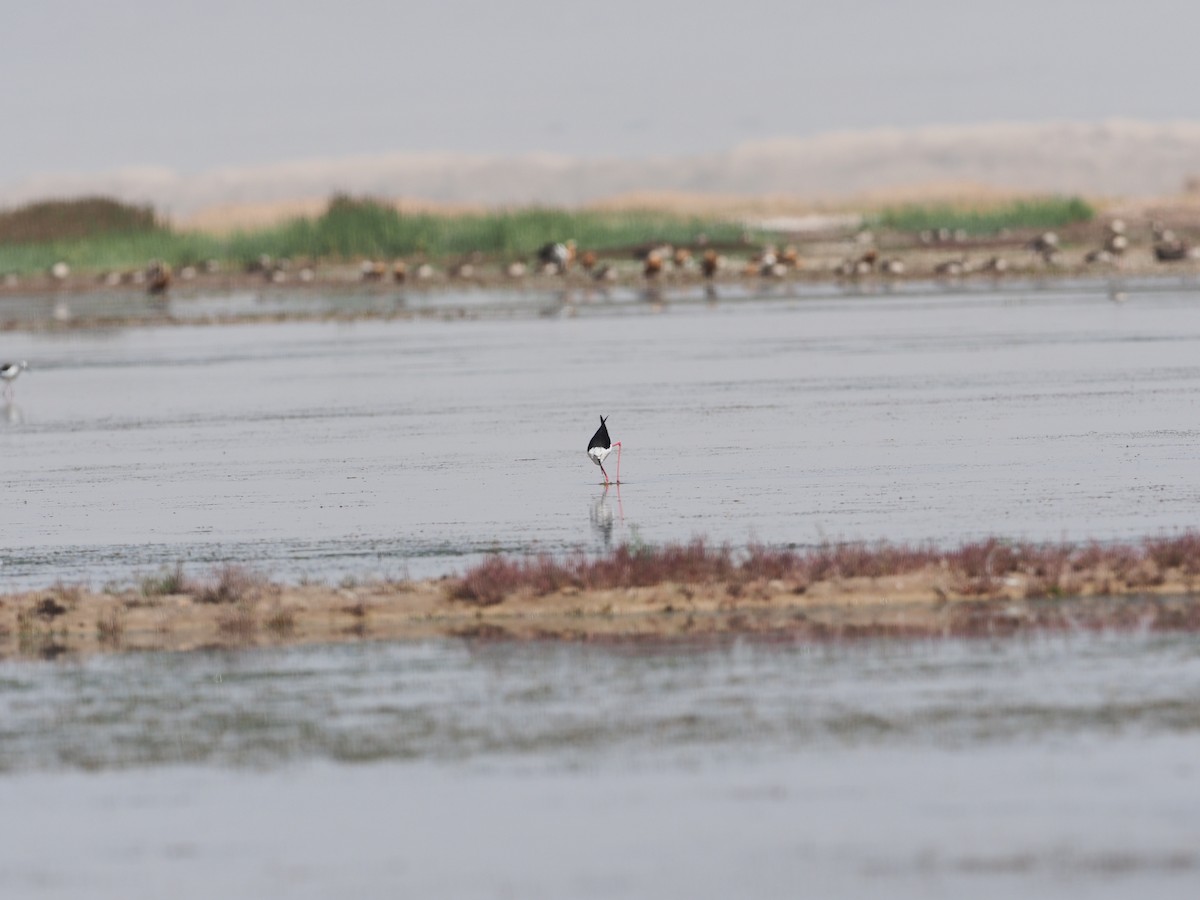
281	621
110	628
238	622
127	237
1045	212
36	634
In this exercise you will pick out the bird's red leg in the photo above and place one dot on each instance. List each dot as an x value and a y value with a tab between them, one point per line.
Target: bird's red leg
605	473
618	446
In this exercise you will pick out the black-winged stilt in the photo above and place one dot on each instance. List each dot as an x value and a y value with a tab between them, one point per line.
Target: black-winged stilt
600	446
9	372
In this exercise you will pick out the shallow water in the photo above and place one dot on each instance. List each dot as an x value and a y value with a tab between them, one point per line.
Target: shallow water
409	447
1054	766
1058	767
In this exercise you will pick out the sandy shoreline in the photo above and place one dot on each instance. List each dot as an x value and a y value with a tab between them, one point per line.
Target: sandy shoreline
69	621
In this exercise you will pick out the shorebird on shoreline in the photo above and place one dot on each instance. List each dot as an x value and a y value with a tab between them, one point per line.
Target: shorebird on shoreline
556	257
158	278
9	372
600	446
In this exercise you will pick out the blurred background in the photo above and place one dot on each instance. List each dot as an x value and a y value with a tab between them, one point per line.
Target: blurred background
873	276
218	104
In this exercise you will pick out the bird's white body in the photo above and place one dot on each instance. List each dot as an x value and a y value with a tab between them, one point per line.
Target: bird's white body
9	371
600	446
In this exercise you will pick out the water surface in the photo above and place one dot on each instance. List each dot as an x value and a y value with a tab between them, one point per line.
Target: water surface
1056	766
412	446
1061	767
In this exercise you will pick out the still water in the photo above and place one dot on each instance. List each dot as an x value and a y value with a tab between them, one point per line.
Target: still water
1063	766
1057	766
411	447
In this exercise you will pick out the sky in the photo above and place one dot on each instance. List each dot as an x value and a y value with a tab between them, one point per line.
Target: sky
194	86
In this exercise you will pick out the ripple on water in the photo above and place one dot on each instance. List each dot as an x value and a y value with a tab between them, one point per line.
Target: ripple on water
553	705
925	415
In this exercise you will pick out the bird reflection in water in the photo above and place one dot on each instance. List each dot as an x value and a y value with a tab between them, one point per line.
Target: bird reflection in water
601	516
12	414
653	296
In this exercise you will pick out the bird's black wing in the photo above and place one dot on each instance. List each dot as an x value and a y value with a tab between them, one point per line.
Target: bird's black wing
600	438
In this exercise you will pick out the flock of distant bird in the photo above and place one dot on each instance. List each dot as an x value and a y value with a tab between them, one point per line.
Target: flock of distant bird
555	258
563	257
656	261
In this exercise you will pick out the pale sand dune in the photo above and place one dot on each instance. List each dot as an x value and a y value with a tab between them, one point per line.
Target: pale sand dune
768	204
230	217
1115	159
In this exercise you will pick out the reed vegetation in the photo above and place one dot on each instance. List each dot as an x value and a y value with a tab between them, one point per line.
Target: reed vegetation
1036	213
100	234
352	228
64	220
977	568
349	229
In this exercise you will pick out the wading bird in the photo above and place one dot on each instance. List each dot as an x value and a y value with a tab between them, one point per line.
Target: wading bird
158	278
556	257
10	371
600	446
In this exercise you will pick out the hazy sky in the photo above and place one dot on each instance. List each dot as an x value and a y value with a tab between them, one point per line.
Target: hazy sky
196	85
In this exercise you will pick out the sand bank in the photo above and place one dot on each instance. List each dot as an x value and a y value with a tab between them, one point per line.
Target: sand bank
930	603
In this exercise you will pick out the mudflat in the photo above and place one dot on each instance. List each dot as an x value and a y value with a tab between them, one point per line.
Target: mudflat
933	602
